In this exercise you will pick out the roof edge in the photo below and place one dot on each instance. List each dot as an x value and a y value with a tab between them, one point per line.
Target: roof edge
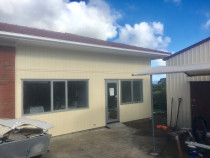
185	49
69	37
46	39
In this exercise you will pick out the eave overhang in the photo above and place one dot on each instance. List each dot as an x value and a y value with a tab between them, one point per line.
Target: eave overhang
15	39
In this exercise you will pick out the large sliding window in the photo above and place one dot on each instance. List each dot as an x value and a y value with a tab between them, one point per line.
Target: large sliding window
54	95
131	91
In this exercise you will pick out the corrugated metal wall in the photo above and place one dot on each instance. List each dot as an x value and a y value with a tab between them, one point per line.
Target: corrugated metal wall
178	85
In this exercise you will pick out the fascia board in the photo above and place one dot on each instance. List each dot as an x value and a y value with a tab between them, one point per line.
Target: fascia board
22	37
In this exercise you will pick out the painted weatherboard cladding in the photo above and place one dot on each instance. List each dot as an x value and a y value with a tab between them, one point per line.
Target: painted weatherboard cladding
52	63
178	85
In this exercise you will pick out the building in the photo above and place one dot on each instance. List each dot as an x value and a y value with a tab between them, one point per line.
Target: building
72	82
194	91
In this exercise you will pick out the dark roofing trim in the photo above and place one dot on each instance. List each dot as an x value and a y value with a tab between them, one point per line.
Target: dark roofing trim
70	37
184	50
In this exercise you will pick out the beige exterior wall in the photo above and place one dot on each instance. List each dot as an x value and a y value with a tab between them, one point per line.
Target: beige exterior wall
51	63
178	85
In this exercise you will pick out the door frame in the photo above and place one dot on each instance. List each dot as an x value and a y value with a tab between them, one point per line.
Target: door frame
106	100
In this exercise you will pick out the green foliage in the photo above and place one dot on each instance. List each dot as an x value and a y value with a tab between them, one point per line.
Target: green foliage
159	95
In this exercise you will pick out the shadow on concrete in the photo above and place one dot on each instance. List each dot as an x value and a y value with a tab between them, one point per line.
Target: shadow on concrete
131	140
165	148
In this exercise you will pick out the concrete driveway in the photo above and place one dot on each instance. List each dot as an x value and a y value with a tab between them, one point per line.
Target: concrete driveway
118	141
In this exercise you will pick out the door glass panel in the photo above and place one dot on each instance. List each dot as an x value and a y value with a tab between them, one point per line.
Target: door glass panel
112	101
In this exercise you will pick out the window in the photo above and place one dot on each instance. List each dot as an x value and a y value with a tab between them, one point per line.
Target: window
47	96
36	97
77	94
59	95
137	91
126	92
131	91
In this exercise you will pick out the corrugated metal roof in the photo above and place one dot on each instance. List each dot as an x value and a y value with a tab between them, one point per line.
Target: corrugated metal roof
190	70
69	37
184	50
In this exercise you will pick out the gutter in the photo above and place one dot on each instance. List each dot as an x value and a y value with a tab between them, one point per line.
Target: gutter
18	36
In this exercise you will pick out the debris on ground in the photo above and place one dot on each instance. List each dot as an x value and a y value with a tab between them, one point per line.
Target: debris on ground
20	129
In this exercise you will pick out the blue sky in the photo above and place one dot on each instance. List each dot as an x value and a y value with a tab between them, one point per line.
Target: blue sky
169	25
183	20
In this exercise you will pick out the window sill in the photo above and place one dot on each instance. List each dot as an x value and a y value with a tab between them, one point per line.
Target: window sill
56	111
131	103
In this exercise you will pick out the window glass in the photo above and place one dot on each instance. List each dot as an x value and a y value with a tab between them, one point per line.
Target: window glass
137	94
36	97
131	91
59	95
126	92
77	94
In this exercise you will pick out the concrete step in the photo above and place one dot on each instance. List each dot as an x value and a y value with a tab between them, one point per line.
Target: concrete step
115	125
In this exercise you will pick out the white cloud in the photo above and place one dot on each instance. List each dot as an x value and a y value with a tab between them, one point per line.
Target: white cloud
158	62
94	19
148	35
156	78
207	24
177	2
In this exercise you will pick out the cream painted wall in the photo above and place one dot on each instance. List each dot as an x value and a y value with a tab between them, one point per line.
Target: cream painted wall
51	63
178	85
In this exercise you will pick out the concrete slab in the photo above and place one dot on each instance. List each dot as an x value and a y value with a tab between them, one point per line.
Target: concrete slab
115	125
131	141
103	143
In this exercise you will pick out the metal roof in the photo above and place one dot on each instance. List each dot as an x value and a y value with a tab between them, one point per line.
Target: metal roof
184	50
190	70
10	28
